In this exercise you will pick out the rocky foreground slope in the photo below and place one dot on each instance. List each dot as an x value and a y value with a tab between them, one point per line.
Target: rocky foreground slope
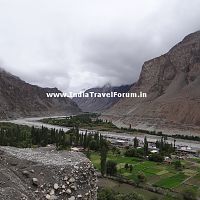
172	83
92	104
44	173
21	99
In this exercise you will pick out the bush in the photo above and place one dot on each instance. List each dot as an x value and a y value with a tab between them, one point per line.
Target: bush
141	178
156	157
130	152
177	164
189	194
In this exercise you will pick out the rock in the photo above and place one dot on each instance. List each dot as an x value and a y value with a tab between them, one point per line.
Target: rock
79	196
52	185
26	173
35	181
73	187
56	186
48	197
71	180
52	192
72	198
68	191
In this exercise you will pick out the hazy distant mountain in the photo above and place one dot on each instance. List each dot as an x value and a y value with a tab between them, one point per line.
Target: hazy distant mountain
100	104
21	99
172	83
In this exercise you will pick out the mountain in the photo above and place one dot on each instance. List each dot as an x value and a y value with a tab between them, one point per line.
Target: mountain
93	104
21	99
172	83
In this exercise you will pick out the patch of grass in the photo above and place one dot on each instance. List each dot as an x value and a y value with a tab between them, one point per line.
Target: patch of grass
172	182
162	172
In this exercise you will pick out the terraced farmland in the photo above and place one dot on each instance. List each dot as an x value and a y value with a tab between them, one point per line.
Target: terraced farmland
161	175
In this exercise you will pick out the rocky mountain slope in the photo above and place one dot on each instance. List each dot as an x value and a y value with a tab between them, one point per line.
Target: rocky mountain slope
44	173
20	99
172	83
100	104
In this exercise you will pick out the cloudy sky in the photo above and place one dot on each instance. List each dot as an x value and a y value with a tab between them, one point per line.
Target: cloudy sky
78	44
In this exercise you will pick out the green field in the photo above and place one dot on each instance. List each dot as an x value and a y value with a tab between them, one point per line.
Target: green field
157	174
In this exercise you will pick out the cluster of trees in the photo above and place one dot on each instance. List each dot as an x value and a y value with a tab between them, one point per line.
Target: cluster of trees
156	157
13	135
164	147
24	136
159	133
133	152
83	120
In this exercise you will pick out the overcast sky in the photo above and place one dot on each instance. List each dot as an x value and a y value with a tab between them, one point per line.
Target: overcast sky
79	44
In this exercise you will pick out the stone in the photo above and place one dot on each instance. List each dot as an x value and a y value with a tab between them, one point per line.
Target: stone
52	192
72	198
26	173
56	186
68	191
48	196
35	181
71	180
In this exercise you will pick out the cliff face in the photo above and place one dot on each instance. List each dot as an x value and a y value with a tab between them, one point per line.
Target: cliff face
171	82
100	104
20	99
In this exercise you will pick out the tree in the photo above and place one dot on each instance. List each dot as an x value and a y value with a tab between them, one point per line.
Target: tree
103	153
93	145
146	146
114	149
126	166
136	142
131	168
111	167
177	165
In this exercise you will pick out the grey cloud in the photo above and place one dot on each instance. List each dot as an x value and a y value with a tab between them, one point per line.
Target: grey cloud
80	44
